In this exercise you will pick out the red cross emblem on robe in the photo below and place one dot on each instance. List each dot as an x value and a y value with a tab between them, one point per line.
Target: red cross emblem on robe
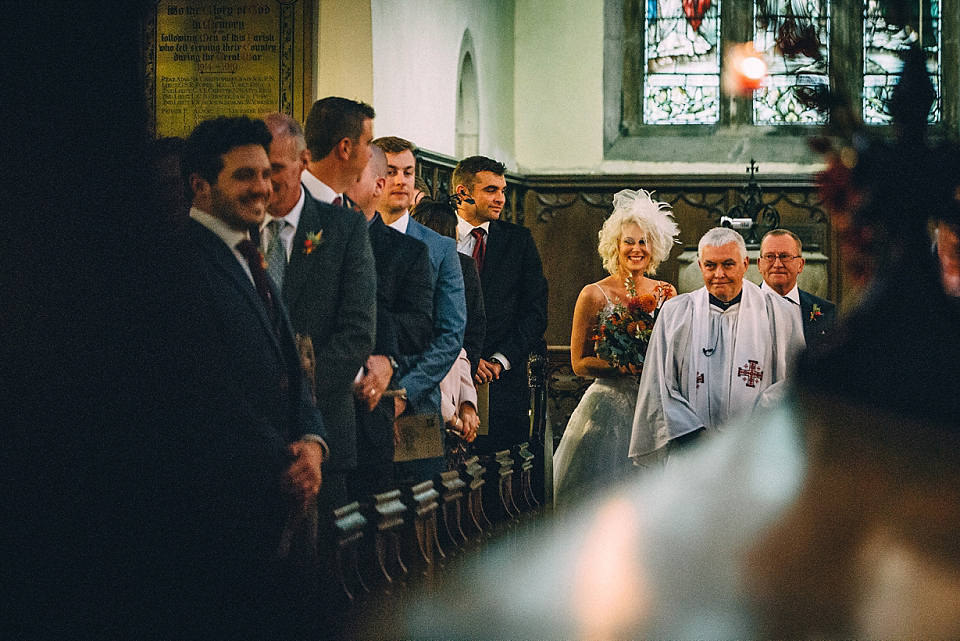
751	375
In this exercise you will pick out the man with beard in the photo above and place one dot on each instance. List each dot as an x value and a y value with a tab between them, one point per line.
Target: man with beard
264	465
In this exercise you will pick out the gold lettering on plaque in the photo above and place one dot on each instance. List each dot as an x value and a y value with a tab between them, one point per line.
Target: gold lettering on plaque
222	59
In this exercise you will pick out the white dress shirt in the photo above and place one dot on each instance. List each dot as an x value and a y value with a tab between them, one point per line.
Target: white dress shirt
400	224
465	240
317	188
226	233
793	296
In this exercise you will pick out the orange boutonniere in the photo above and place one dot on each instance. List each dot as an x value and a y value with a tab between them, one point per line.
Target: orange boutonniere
312	241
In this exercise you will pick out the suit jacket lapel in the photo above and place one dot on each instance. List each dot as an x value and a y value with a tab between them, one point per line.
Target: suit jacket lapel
296	274
806	308
227	262
495	252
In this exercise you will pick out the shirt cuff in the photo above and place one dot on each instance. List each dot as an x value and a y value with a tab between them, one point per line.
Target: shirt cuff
316	439
503	360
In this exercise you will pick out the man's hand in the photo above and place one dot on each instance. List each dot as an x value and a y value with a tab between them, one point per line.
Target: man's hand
371	387
486	372
303	476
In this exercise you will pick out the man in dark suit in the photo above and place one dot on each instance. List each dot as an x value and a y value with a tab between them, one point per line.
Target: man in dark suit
404	326
514	294
320	255
267	466
781	261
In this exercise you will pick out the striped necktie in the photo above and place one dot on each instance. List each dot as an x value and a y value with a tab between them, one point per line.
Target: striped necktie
276	252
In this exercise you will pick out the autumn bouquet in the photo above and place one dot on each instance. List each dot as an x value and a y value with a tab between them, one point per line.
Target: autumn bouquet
622	333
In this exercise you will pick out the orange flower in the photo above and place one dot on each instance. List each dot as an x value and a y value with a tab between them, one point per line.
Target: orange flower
647	303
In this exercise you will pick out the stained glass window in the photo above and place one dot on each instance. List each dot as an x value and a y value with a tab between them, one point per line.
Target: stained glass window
682	62
683	43
883	37
793	36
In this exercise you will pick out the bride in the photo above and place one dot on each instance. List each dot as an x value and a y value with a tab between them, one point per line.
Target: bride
634	240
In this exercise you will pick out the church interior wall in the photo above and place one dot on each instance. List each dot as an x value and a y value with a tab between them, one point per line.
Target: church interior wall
344	50
416	56
559	86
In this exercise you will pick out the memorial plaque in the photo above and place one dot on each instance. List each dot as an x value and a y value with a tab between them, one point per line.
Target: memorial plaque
206	59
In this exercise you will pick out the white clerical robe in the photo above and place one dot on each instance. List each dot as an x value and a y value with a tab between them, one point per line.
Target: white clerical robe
705	365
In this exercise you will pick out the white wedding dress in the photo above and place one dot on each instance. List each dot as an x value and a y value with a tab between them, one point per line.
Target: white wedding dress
592	454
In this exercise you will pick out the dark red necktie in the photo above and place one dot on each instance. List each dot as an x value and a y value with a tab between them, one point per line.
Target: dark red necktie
338	201
480	247
254	260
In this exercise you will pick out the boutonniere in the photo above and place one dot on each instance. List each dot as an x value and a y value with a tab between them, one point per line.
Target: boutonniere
815	313
312	241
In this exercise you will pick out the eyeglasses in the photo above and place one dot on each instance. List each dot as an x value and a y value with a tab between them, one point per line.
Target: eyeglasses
786	259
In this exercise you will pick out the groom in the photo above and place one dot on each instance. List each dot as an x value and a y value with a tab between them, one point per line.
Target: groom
717	352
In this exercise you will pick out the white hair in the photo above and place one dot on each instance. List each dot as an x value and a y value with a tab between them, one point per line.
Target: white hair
652	217
720	236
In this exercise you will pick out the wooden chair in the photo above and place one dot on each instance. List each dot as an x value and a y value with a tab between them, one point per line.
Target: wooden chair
451	536
473	519
349	525
498	496
419	544
382	563
523	494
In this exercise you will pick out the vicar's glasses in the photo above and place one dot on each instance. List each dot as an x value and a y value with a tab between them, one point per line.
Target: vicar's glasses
786	259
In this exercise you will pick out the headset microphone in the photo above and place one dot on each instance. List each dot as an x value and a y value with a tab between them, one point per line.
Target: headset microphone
466	199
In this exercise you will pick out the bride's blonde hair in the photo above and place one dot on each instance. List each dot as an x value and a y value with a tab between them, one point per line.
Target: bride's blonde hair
652	217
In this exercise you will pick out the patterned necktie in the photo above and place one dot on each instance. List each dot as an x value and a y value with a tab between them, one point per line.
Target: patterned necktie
254	260
480	247
276	253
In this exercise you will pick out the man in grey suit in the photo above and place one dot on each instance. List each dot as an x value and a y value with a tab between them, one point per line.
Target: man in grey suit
321	257
422	380
781	261
338	135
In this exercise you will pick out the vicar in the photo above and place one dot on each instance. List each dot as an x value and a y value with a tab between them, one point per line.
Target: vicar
781	261
715	353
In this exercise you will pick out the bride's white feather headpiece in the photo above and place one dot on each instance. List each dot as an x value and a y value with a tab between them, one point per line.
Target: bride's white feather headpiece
653	217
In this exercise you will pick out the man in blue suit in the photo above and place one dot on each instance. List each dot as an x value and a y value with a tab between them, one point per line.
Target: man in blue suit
422	380
268	455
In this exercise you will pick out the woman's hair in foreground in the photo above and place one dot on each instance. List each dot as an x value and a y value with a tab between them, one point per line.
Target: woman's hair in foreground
440	216
652	217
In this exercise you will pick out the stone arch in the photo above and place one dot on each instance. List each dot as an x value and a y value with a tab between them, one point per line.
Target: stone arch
468	101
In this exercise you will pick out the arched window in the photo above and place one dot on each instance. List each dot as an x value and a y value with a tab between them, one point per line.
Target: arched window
468	105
